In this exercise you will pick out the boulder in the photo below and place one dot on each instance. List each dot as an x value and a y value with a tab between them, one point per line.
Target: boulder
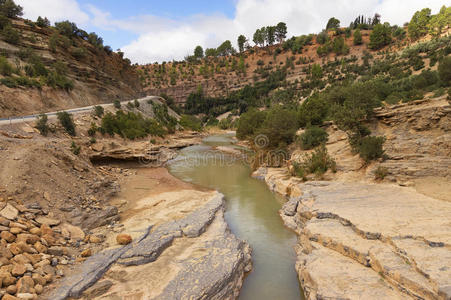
9	212
86	253
18	270
74	232
47	221
25	284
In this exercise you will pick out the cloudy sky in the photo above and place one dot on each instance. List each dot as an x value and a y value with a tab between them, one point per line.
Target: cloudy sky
149	30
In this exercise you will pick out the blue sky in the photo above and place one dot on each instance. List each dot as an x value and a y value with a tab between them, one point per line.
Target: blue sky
150	31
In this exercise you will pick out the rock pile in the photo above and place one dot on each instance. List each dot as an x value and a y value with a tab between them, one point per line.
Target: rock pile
31	251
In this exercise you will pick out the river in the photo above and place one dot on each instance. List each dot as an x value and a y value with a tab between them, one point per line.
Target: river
252	214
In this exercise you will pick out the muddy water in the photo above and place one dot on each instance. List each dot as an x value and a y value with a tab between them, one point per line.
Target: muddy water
252	214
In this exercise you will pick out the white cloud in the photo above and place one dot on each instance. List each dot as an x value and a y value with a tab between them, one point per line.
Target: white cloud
161	38
55	10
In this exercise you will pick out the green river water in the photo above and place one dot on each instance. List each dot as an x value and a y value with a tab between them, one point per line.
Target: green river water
252	214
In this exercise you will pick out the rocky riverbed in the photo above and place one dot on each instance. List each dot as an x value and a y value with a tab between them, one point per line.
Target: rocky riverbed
181	249
366	241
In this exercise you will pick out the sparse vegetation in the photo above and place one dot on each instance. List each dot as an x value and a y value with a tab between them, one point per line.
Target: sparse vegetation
75	148
380	173
42	125
312	137
318	162
67	122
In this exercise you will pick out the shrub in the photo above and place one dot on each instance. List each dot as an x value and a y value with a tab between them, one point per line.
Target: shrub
449	93
117	104
312	137
4	21
136	103
9	82
55	80
191	122
130	125
444	70
98	111
93	129
67	122
279	127
316	163
75	148
249	123
313	111
11	35
79	53
5	67
371	148
41	124
357	37
380	173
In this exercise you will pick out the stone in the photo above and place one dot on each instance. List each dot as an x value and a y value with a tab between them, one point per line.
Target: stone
35	231
12	289
7	278
15	249
38	289
25	285
16	230
40	248
10	297
4	222
75	232
123	239
28	238
9	212
8	236
55	250
95	239
18	270
86	253
25	296
38	279
47	221
21	259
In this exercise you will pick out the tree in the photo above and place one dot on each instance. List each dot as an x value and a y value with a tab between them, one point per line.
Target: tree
67	122
333	23
241	41
418	25
322	37
225	49
376	19
9	9
317	71
380	37
198	52
444	70
357	37
270	35
67	28
10	35
281	32
211	52
440	21
259	36
42	22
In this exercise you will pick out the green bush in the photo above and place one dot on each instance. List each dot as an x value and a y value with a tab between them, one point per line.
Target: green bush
93	129
371	148
41	124
98	111
380	37
9	82
313	111
444	70
4	21
42	22
312	137
67	122
6	69
249	123
10	35
117	104
357	37
279	127
380	173
316	163
136	103
75	148
79	53
130	125
191	122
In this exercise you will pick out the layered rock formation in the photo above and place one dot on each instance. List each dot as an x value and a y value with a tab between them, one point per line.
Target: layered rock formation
366	241
181	249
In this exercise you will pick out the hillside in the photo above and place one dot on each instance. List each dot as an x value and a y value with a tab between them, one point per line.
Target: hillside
44	68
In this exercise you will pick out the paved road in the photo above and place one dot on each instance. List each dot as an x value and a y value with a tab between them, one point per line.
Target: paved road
74	111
